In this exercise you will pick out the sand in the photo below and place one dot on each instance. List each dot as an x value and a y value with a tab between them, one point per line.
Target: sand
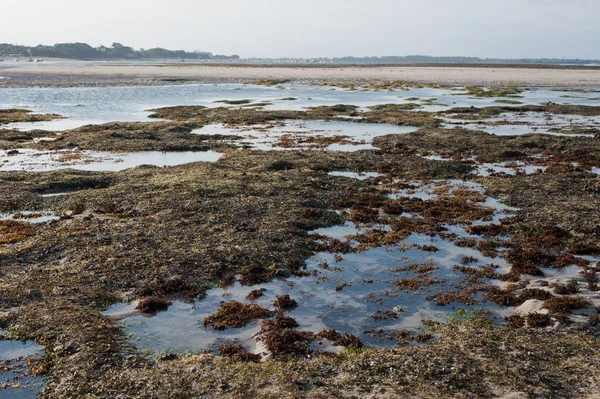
94	74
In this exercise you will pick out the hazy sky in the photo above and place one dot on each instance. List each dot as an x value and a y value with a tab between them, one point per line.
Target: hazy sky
315	28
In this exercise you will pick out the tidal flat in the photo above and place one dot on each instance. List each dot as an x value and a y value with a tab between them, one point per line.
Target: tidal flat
381	239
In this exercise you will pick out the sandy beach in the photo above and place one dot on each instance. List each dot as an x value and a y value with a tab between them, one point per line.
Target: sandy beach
94	75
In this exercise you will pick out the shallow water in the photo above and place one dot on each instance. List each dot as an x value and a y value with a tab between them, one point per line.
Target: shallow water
24	216
356	175
274	137
319	304
485	169
41	161
368	278
97	105
513	124
17	353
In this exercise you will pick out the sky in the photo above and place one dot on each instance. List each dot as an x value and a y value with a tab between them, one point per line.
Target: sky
316	28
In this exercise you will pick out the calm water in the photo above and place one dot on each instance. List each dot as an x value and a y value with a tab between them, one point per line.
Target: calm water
111	104
18	352
42	161
369	276
267	137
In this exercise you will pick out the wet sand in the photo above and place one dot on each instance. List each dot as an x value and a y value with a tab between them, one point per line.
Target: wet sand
93	75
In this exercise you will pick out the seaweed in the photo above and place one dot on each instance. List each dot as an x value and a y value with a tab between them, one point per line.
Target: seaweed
284	302
153	305
12	231
279	322
572	287
514	321
564	304
287	342
235	314
234	102
239	353
538	320
254	295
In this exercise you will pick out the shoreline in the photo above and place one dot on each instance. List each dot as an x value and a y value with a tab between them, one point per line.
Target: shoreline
119	75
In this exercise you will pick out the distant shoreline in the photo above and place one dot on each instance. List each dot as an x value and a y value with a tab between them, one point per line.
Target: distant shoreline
244	63
77	73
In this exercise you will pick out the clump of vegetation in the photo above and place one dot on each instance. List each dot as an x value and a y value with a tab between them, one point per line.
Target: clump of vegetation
564	304
591	276
534	293
153	305
288	342
512	102
515	321
12	231
572	287
235	314
200	115
279	322
493	91
392	207
14	115
403	337
234	102
424	337
346	340
329	333
271	82
173	286
258	105
538	320
472	113
501	297
256	274
395	107
254	295
193	294
531	250
285	302
465	260
349	341
238	352
343	285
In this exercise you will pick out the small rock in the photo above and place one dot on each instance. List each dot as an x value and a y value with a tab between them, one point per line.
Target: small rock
557	326
283	272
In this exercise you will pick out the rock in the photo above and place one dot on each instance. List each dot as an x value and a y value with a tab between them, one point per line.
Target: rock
283	271
557	326
531	306
34	294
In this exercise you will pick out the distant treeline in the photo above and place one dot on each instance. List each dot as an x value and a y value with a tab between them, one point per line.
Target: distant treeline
425	59
83	51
